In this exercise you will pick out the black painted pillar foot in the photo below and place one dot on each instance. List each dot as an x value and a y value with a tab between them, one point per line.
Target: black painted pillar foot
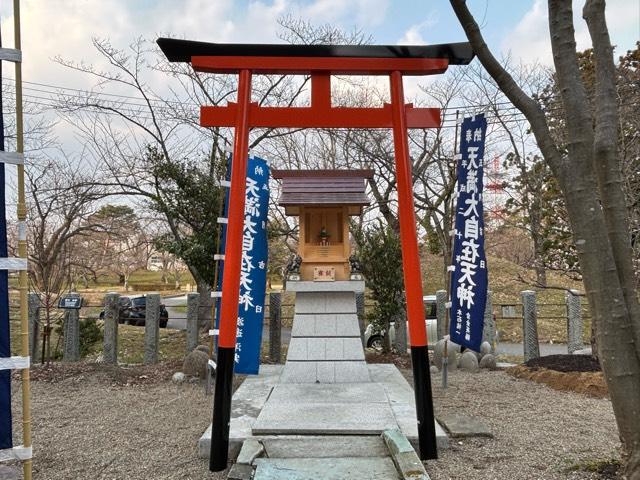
219	453
424	403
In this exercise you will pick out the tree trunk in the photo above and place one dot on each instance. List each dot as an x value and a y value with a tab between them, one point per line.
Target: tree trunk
589	179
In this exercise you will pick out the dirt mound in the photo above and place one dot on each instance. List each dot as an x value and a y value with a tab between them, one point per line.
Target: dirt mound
588	383
566	363
103	373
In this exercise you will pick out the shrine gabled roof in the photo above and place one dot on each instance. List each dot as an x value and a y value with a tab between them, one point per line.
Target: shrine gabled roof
177	50
323	187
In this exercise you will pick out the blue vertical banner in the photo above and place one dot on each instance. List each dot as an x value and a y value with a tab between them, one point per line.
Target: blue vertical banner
253	271
470	274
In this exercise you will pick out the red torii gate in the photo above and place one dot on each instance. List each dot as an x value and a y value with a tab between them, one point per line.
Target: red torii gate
319	61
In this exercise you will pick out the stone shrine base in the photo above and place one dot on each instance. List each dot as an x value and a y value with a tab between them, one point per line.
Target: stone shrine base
267	410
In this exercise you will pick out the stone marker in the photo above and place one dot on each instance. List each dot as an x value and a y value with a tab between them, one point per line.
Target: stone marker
441	313
195	364
193	306
178	377
111	314
34	325
489	330
275	326
360	304
71	334
152	329
468	361
574	321
489	362
460	426
529	325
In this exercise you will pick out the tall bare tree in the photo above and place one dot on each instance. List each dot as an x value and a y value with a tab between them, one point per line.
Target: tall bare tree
589	175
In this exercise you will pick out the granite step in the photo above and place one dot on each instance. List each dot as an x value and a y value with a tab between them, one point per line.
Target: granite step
355	468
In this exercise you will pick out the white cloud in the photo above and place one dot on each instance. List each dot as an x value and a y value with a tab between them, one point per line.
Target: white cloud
529	41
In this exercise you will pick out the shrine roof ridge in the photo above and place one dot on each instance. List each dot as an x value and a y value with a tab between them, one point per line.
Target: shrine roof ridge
177	50
323	173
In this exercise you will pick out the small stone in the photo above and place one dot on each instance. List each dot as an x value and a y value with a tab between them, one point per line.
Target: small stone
453	350
468	361
178	377
195	364
434	369
485	349
489	362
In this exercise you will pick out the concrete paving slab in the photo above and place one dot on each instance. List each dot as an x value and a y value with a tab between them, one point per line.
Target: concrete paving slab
357	393
324	418
373	468
251	449
349	372
402	399
312	446
246	405
460	426
299	372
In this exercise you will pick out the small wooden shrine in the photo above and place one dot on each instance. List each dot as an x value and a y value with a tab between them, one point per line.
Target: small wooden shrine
323	200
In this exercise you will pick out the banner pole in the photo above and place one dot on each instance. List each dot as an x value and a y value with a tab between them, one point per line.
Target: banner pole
219	452
22	249
412	275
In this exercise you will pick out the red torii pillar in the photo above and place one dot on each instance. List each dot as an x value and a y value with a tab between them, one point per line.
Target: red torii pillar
319	61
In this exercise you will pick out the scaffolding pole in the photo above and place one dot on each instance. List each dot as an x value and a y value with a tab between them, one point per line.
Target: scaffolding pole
22	249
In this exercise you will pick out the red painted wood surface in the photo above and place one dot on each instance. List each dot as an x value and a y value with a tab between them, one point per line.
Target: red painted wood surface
407	218
307	65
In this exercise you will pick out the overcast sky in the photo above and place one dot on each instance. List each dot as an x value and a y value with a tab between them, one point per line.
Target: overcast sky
65	27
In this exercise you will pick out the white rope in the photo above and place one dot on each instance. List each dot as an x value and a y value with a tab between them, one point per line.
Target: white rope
218	256
452	232
13	263
447	305
216	294
14	363
16	453
10	55
214	332
212	364
223	220
451	268
13	158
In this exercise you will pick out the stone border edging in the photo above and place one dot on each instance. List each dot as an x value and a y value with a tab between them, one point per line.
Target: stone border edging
404	456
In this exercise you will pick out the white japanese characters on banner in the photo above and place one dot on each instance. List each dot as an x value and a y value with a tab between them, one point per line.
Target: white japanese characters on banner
253	268
469	278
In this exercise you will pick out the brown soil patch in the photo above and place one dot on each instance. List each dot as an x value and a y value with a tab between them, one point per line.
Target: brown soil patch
114	375
566	363
588	383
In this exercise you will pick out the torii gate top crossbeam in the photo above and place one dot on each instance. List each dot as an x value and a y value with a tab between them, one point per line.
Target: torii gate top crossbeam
319	61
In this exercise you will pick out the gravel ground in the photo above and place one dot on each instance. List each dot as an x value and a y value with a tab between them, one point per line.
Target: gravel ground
104	423
98	422
539	433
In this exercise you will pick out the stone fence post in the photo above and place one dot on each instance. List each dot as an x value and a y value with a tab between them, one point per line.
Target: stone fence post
152	328
193	305
111	314
529	325
441	313
360	300
34	325
275	326
574	321
489	330
71	334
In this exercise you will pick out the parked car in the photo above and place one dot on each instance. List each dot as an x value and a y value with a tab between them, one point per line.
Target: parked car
133	310
374	339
